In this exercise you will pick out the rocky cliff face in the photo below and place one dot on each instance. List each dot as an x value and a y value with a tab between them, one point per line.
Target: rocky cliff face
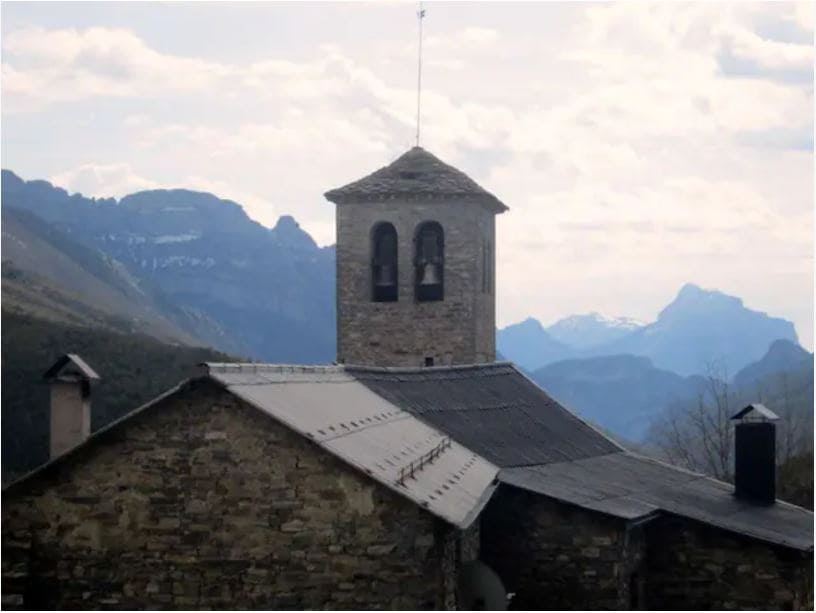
269	292
702	331
699	331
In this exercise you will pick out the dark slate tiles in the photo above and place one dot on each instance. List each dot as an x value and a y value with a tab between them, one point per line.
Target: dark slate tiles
497	412
492	409
630	486
415	173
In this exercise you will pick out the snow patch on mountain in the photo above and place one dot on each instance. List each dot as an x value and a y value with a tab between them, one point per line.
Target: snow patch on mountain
577	321
176	238
583	331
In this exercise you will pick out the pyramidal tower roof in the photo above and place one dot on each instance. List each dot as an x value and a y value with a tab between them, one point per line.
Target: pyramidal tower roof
415	174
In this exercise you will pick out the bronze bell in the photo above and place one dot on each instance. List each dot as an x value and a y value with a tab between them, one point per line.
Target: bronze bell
385	276
429	274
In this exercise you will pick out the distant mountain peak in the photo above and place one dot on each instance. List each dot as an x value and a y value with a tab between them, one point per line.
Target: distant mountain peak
692	291
529	345
784	346
530	322
288	233
782	356
590	329
692	298
10	179
596	318
181	200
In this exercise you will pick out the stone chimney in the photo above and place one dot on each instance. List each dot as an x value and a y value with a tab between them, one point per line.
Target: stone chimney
70	379
755	454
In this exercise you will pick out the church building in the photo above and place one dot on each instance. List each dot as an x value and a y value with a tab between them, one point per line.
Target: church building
414	473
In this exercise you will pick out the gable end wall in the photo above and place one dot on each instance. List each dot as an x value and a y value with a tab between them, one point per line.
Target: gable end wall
204	502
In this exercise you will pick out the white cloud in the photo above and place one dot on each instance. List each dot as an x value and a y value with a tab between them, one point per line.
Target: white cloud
65	65
640	146
770	54
102	180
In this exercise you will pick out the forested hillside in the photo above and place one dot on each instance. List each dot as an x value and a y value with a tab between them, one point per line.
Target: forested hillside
134	369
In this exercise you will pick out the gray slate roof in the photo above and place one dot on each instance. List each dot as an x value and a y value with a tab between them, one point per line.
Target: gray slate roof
630	486
415	174
491	408
496	411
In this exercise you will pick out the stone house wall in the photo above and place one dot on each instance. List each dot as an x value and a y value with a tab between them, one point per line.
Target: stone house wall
204	502
555	556
458	330
694	566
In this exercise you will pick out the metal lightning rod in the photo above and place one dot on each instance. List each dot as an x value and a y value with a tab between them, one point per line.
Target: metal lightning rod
420	17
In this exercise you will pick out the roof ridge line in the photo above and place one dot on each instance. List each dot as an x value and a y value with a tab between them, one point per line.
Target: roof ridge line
413	369
536	464
265	367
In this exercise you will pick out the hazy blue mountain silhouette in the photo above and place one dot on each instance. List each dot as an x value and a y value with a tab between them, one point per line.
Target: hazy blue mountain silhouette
783	356
270	290
590	330
624	394
529	345
49	274
620	393
699	331
268	293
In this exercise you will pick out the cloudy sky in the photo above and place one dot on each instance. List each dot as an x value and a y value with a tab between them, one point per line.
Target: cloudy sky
639	146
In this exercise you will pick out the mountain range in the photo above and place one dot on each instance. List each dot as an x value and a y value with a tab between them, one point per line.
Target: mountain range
585	331
190	266
699	332
625	393
189	269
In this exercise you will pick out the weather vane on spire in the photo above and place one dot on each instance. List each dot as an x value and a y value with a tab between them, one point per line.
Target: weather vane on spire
420	17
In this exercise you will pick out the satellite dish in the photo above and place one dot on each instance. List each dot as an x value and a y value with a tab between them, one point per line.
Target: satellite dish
480	589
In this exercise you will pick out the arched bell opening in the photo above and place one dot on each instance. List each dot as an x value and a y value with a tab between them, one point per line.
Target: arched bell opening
384	264
429	262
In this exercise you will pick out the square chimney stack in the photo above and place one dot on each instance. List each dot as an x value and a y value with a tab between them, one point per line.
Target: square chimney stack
755	454
70	379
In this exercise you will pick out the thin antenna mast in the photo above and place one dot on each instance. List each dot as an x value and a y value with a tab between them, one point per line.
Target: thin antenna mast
420	17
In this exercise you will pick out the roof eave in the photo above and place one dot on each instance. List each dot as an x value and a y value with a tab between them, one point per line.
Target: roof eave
489	201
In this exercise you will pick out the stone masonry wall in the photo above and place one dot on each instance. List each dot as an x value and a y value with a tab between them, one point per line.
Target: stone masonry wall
204	502
693	566
458	330
555	556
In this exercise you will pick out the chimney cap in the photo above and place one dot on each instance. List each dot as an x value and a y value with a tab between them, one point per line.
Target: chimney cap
756	412
71	366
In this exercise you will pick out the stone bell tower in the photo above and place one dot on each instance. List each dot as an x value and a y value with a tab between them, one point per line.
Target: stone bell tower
416	266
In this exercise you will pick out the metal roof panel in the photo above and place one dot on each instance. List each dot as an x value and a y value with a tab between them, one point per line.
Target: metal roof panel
371	434
492	409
